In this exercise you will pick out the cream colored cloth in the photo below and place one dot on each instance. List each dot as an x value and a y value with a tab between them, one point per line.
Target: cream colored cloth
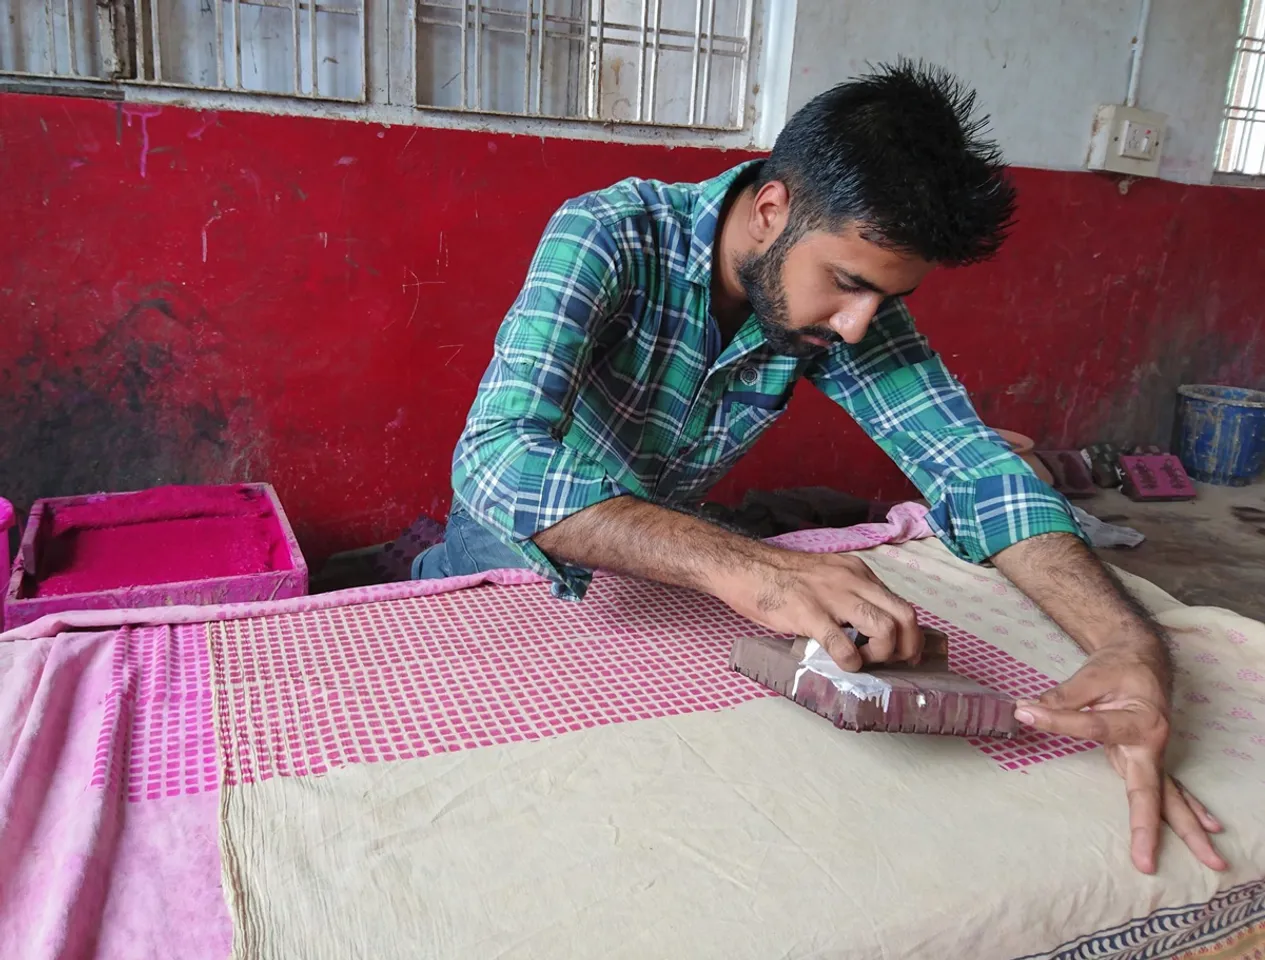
755	832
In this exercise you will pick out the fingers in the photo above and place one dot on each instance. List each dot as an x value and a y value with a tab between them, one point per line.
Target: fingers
1142	783
1104	726
826	630
843	590
1188	818
1079	690
1183	817
890	623
835	590
910	641
878	626
1206	819
857	596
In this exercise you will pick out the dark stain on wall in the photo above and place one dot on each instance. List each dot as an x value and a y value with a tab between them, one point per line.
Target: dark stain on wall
122	412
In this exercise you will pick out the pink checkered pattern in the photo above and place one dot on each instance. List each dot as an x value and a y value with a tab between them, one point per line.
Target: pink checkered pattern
298	694
982	662
156	728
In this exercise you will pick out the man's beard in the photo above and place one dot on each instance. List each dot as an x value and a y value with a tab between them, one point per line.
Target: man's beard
761	278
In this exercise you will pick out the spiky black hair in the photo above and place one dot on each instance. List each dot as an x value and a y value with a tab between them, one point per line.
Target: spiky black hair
901	153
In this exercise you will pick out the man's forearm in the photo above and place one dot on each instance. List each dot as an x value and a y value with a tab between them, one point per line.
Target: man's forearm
628	535
812	595
1081	595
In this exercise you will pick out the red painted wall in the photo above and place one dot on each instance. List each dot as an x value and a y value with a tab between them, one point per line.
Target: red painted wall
192	296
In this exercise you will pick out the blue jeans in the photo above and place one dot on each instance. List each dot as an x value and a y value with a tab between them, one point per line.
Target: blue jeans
466	548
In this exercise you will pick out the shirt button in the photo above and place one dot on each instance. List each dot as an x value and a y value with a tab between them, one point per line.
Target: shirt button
749	375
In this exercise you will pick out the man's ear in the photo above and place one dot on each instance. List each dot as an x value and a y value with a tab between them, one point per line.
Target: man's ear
769	212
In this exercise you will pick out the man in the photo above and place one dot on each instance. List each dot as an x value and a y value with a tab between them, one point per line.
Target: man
660	331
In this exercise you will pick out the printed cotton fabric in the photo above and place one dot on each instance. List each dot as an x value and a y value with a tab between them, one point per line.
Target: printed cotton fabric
494	773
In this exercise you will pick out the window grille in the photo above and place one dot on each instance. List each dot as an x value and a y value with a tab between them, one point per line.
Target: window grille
1242	147
680	63
676	63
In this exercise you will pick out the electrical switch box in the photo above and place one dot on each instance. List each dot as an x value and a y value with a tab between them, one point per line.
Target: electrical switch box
1127	140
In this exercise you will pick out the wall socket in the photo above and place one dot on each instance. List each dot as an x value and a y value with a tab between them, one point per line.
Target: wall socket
1127	140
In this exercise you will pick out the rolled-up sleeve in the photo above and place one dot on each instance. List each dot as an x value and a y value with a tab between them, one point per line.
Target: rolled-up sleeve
511	470
983	498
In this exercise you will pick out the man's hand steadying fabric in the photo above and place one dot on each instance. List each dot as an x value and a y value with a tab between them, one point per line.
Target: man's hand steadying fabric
1119	698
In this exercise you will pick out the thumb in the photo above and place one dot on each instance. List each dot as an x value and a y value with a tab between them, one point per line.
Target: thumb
1075	693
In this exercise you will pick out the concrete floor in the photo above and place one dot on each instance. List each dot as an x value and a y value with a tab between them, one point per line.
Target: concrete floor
1206	552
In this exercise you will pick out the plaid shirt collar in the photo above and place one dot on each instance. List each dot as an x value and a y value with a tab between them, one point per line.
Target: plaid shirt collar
705	218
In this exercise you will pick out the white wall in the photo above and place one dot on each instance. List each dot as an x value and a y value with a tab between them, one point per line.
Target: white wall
1040	66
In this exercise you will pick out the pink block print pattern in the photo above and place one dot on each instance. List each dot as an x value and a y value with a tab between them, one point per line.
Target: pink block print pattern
299	694
156	729
984	663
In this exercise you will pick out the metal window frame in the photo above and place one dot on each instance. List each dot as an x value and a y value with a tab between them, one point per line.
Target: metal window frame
132	47
127	69
650	40
113	20
1240	117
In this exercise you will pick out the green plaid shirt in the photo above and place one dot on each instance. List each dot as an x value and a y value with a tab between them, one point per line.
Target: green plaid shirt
608	379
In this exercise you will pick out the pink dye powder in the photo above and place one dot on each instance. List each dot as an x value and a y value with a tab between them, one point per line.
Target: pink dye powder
165	535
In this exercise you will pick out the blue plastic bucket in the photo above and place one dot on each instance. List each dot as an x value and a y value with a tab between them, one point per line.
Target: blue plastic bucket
1220	433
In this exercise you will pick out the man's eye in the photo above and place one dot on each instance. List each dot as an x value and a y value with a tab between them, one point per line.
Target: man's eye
847	287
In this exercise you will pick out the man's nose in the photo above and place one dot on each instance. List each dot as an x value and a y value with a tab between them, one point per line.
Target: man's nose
852	321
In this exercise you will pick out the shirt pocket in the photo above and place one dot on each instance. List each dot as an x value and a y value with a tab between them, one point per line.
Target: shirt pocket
745	416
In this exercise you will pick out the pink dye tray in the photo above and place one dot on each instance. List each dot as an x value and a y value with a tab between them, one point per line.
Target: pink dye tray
160	547
6	521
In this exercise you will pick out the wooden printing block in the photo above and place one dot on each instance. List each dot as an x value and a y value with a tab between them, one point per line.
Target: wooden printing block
1104	464
1071	474
1156	477
929	698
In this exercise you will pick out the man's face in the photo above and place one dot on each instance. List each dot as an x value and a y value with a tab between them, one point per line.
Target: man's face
826	287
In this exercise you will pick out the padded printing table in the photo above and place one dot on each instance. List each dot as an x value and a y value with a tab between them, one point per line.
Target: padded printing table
472	768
